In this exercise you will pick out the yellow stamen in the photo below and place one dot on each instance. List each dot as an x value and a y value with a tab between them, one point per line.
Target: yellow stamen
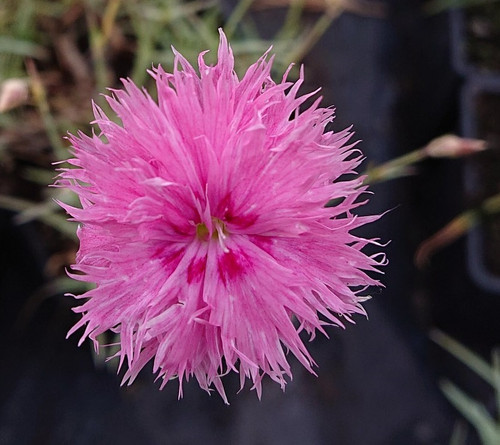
218	230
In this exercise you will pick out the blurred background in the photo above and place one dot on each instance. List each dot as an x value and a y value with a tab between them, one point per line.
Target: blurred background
422	370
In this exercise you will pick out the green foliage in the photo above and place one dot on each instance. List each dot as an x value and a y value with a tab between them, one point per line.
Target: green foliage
69	51
474	412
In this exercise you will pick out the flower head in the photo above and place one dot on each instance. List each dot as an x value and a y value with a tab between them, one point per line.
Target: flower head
204	225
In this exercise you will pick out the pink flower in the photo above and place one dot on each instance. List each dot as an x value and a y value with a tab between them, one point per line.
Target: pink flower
204	226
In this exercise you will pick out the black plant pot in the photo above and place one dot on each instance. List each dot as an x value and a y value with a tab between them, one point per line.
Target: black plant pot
476	39
480	115
476	57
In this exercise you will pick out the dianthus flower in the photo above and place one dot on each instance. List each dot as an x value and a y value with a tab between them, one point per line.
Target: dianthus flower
204	225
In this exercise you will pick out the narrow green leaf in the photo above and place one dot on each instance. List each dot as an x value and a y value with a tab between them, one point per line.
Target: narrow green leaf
495	356
24	48
474	412
459	435
236	16
480	366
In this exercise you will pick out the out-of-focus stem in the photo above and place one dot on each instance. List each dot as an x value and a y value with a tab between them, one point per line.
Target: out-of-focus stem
143	55
446	146
457	227
109	18
476	363
292	20
315	33
41	102
491	205
495	358
98	39
394	168
236	16
55	220
97	50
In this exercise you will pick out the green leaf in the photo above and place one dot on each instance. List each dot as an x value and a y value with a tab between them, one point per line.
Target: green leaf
480	366
24	48
474	412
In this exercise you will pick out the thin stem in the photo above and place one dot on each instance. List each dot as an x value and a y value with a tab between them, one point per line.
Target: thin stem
495	357
109	19
292	20
456	228
98	39
235	18
312	37
394	168
41	102
55	220
143	54
480	366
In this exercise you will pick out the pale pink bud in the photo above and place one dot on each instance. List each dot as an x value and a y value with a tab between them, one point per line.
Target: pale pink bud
13	92
451	146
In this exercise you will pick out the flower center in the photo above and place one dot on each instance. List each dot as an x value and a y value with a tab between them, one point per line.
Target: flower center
218	230
202	232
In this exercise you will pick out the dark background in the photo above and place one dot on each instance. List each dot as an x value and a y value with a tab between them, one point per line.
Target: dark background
377	382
